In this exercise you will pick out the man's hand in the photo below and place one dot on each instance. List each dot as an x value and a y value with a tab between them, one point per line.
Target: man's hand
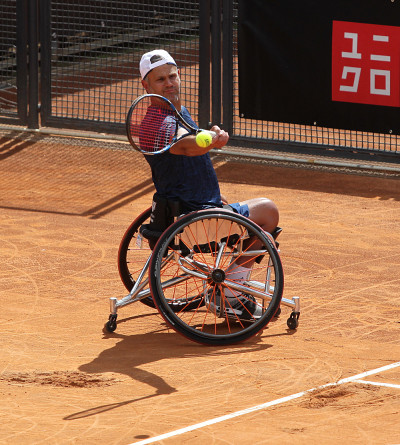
221	138
188	147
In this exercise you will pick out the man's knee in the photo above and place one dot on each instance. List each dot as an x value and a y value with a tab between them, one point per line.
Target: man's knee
271	213
264	212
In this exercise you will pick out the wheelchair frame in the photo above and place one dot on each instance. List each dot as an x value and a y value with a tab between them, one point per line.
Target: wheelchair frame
186	273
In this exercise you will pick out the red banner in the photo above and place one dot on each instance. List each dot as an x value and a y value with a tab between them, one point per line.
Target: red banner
366	63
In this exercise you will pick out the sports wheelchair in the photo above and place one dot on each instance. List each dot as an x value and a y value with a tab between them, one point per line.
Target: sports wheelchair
181	265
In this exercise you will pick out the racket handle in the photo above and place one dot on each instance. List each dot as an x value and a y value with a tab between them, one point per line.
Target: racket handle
212	133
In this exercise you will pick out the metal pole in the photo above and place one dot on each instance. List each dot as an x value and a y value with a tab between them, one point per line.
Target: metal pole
33	116
22	60
204	64
227	71
216	61
45	59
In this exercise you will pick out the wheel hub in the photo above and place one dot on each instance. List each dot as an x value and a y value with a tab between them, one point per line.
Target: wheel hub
217	276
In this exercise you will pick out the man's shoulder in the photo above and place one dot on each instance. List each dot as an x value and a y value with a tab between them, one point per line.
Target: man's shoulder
187	116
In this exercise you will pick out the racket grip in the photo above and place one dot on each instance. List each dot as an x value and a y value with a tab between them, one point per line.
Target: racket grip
212	133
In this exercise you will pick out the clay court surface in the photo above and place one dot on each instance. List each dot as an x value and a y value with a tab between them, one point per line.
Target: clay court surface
64	208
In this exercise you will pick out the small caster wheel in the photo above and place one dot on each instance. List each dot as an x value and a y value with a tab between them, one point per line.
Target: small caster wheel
293	320
111	324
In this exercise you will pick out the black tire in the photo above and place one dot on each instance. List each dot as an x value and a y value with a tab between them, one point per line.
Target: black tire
111	324
195	255
292	323
131	259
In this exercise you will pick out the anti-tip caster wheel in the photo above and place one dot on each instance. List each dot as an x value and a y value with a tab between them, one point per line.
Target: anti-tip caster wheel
293	320
111	324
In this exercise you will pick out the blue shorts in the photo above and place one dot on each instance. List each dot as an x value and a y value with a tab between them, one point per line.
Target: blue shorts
241	209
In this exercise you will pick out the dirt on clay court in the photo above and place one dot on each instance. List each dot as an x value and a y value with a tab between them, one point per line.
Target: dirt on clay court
64	209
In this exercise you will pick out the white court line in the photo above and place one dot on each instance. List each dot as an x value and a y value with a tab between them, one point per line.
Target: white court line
262	406
388	385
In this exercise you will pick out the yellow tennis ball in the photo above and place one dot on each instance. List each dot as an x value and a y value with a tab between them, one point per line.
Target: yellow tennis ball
203	139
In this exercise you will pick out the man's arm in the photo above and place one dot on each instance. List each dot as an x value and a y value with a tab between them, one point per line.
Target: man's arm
188	147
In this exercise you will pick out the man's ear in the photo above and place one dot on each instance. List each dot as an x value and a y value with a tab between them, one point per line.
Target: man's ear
145	84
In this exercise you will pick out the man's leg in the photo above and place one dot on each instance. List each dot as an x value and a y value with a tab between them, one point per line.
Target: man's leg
264	213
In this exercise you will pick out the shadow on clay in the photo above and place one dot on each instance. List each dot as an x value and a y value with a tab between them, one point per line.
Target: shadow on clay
132	351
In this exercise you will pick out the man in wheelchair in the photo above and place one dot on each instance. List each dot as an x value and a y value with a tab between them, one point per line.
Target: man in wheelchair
185	179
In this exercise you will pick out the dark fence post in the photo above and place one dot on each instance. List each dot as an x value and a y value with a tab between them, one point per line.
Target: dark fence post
204	64
33	116
22	59
227	70
45	59
216	61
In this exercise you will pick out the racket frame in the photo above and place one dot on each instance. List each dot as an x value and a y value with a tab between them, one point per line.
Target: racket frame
191	131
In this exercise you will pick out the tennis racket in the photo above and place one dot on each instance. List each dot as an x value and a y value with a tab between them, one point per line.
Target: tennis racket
154	125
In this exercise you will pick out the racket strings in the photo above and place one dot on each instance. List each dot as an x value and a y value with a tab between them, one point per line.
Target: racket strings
152	125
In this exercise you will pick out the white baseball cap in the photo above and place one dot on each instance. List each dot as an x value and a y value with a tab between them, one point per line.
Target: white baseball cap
153	59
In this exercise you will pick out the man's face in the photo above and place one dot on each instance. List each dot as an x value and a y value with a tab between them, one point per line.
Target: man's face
165	81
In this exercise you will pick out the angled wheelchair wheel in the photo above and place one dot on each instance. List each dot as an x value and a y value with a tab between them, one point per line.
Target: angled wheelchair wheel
133	252
196	258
